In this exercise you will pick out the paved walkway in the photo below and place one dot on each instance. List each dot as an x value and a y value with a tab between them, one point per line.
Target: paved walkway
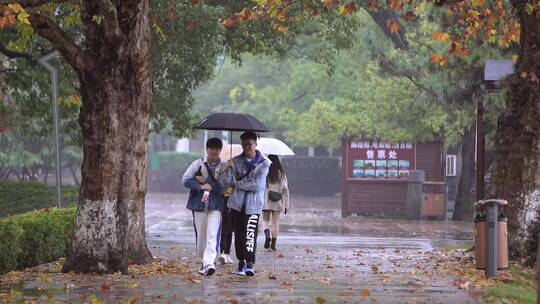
321	258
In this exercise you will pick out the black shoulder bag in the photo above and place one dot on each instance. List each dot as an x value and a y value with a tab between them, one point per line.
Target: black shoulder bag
274	196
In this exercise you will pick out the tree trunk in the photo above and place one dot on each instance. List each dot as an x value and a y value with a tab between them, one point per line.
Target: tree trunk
74	174
46	175
114	119
538	270
517	152
463	209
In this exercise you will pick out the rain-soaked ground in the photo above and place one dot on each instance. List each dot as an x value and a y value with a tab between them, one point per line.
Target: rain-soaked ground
321	258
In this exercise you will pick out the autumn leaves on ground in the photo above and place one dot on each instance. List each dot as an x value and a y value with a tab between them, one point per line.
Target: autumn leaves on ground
354	260
296	273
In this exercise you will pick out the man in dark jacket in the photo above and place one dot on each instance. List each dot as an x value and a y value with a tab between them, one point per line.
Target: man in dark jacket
247	199
207	179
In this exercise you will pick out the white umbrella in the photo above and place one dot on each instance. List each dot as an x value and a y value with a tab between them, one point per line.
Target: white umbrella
274	146
230	151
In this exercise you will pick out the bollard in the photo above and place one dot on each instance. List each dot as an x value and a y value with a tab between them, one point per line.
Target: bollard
492	238
491	207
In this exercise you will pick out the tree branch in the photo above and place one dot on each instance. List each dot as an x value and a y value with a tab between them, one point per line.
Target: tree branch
36	3
49	30
394	70
380	17
110	20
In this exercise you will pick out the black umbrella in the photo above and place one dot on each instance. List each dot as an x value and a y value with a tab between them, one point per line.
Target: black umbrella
231	122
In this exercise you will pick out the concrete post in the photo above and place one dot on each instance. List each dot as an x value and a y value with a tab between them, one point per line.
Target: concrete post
492	238
415	184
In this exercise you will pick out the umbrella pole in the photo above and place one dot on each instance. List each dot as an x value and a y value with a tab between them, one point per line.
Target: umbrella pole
230	145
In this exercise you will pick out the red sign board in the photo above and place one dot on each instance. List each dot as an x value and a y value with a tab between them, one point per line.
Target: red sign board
377	159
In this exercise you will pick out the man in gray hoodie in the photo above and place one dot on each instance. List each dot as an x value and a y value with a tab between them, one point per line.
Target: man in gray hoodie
247	199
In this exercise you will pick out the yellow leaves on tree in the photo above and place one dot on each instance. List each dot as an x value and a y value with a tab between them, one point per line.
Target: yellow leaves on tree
330	3
347	9
459	49
373	3
395	4
11	13
439	59
243	15
409	16
393	26
441	36
488	20
278	27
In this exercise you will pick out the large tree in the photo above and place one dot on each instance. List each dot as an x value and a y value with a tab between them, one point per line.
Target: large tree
115	54
516	174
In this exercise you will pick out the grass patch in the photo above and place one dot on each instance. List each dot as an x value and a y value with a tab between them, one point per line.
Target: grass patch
518	287
467	245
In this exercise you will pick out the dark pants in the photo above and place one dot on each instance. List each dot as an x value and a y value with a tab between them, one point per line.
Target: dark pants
245	235
226	229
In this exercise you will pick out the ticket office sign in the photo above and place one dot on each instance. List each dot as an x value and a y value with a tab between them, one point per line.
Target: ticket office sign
377	159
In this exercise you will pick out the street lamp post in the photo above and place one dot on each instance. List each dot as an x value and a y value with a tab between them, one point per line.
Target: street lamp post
44	61
494	70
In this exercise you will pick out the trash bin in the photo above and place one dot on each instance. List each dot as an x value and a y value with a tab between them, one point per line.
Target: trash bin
434	198
491	237
480	242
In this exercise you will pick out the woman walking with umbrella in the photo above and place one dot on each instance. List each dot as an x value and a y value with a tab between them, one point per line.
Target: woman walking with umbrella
276	201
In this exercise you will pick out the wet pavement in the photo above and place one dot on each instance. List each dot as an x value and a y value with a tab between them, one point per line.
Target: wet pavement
321	258
313	221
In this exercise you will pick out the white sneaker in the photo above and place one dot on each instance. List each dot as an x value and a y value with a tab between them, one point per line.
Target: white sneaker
201	271
223	258
228	259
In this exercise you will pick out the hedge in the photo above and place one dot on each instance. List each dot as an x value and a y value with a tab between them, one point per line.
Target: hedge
23	196
165	174
35	238
313	176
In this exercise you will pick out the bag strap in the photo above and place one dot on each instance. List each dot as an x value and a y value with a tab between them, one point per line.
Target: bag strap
199	172
246	174
210	172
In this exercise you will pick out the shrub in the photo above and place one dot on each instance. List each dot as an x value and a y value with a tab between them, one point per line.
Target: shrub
23	196
35	238
166	175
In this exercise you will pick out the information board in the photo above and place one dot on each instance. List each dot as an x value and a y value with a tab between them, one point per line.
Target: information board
377	159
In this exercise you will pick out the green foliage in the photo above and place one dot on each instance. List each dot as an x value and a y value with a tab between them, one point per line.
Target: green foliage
176	161
519	288
35	238
370	88
23	196
185	52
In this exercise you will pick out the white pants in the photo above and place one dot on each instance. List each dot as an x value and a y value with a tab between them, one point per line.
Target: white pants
207	225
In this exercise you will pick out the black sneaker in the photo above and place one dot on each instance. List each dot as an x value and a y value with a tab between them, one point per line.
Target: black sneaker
209	270
250	269
241	268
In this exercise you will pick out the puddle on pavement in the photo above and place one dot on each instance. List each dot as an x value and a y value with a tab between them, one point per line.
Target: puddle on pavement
37	292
